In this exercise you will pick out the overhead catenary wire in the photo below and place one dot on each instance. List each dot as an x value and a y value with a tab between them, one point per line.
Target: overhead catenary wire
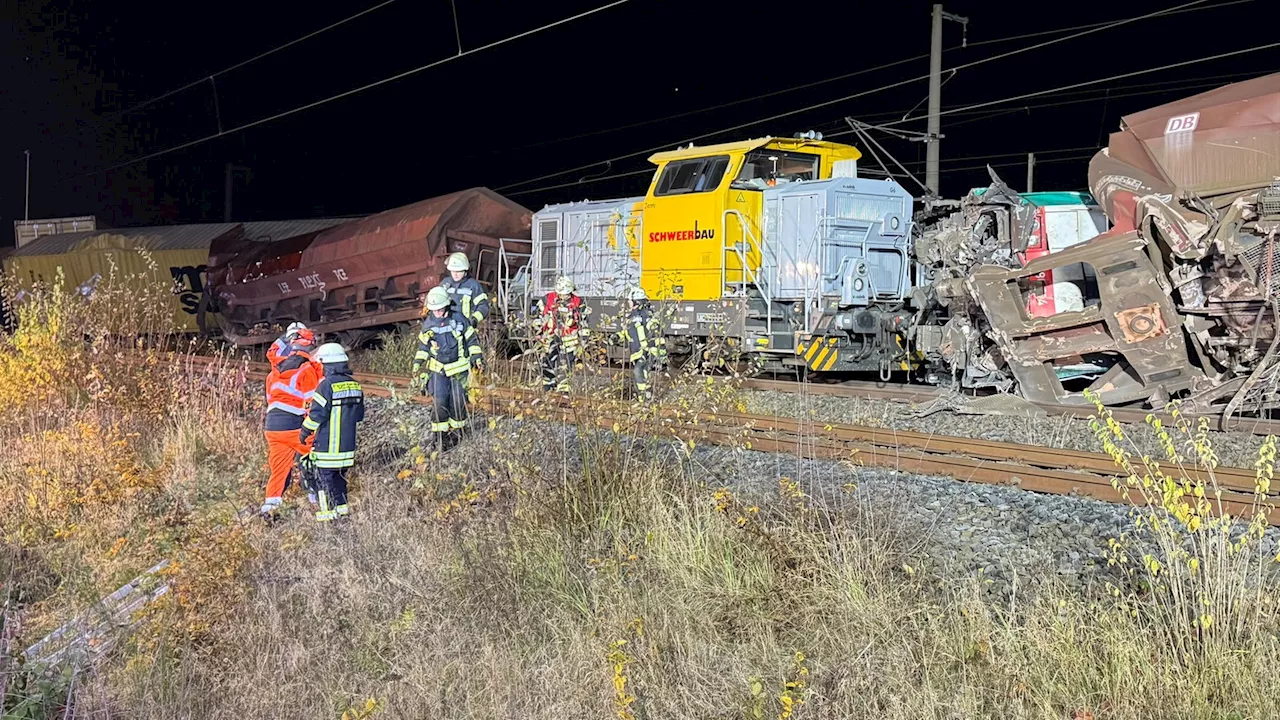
965	109
863	71
649	170
362	88
962	110
1111	78
1093	95
242	63
590	181
862	93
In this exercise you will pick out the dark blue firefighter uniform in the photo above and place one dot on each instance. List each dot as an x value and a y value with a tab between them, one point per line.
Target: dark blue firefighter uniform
447	348
336	408
648	348
468	299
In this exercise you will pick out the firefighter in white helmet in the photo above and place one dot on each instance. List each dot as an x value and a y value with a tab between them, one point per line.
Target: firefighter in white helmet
448	347
336	408
643	335
465	293
562	313
279	349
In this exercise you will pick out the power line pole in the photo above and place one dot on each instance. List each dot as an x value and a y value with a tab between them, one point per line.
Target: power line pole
227	188
1031	167
932	149
227	194
26	206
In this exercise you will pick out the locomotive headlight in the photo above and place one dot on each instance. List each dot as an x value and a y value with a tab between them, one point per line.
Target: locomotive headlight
858	285
894	222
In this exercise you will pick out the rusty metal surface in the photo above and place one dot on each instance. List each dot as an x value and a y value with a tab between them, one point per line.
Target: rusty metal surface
366	272
1187	296
1220	141
1131	321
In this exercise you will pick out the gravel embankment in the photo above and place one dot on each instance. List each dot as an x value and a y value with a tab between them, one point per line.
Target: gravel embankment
952	529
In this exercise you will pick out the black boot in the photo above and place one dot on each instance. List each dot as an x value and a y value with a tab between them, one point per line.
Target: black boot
450	440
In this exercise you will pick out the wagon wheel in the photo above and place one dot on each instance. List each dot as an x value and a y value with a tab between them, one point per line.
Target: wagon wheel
356	338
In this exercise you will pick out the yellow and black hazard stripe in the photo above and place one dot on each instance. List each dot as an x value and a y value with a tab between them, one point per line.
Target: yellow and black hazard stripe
908	361
819	353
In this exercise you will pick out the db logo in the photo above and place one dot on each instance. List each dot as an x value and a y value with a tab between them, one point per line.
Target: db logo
1182	123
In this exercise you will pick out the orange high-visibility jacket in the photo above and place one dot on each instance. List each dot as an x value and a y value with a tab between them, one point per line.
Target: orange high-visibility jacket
289	388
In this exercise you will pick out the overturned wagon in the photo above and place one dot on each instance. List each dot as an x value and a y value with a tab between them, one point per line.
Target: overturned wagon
364	273
1187	279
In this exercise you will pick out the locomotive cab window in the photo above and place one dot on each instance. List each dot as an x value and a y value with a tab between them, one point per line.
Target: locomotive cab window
766	168
692	176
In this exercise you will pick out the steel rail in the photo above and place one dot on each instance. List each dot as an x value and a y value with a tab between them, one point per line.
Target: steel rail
919	393
1049	470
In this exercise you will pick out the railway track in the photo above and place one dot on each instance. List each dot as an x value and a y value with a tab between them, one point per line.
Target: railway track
923	393
1047	470
913	393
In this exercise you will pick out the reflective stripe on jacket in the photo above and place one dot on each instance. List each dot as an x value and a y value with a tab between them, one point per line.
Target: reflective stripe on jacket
336	408
469	299
289	387
278	351
643	333
446	345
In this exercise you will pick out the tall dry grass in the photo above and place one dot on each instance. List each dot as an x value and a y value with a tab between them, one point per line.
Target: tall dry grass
117	453
553	572
546	570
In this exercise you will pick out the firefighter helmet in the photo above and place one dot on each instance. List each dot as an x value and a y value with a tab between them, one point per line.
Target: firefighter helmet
292	330
564	285
457	261
638	294
437	298
331	353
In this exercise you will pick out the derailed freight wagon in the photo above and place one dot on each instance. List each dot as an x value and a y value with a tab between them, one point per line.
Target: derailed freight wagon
1188	278
366	273
175	255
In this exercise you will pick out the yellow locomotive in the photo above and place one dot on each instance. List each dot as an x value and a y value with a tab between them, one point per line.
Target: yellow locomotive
774	245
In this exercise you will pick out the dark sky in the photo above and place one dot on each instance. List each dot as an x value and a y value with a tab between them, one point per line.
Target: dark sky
540	104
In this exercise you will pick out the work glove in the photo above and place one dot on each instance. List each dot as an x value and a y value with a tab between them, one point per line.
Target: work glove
303	434
477	364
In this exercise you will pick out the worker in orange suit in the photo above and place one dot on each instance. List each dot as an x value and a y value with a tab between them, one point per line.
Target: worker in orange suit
279	349
289	389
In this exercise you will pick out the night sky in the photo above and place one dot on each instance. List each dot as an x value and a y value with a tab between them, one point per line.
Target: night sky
631	78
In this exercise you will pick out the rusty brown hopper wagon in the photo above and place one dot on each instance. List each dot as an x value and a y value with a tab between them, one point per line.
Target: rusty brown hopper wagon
365	273
1189	275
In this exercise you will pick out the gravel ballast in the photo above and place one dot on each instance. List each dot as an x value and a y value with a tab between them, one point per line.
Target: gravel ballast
1012	540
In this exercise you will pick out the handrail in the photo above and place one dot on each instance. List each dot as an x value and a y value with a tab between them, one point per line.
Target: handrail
748	276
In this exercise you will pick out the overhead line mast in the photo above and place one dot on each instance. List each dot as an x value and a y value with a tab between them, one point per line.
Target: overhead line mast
934	131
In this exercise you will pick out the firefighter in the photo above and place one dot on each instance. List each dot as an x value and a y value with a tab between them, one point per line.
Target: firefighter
645	341
336	408
561	323
466	296
290	386
279	349
448	348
